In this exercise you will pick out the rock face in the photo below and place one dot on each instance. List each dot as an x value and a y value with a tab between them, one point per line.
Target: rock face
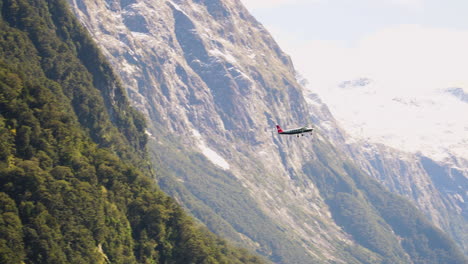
437	188
213	83
421	156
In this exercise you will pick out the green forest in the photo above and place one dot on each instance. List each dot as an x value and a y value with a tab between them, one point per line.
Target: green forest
75	182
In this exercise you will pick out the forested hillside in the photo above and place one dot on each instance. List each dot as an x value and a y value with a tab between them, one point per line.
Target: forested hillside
75	184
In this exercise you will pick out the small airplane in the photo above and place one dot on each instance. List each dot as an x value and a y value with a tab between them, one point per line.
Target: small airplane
295	131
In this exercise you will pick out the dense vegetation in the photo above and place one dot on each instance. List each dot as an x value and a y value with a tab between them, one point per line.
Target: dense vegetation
377	219
75	186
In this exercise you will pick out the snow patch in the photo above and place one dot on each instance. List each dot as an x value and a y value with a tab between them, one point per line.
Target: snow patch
227	56
177	7
149	134
210	154
140	35
459	198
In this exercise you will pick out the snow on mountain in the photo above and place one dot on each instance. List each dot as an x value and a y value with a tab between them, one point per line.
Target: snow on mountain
432	123
212	156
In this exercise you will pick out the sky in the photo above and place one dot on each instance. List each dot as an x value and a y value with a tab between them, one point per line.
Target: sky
417	42
409	49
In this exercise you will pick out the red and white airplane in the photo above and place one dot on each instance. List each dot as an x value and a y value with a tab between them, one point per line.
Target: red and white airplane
296	131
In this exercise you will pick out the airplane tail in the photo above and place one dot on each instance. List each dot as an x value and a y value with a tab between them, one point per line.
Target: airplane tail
279	129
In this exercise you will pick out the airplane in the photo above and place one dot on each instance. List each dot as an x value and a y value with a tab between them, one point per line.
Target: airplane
295	131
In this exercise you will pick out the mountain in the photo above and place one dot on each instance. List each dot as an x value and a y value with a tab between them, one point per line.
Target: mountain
213	83
422	156
75	185
458	93
432	125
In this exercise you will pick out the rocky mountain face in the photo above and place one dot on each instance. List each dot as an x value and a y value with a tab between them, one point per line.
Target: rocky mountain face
437	189
213	83
436	186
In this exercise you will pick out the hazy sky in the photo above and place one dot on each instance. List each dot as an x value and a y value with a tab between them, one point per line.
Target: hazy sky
410	45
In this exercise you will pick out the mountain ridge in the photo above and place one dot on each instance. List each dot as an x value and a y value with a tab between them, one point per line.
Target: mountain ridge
208	66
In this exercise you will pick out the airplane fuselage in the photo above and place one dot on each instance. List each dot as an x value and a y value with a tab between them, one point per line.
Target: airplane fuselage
295	131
